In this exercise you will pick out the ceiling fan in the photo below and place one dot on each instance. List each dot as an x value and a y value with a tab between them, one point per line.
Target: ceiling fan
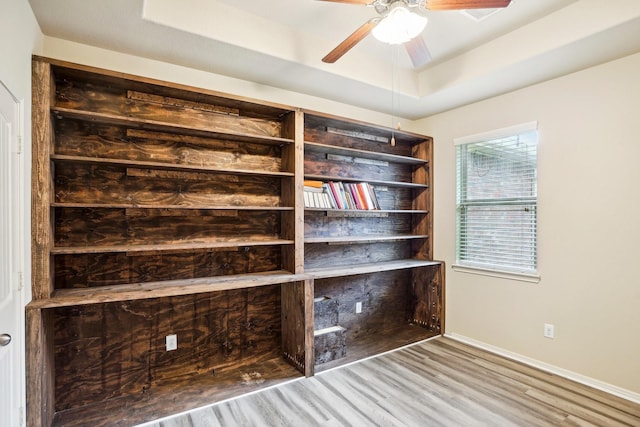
407	16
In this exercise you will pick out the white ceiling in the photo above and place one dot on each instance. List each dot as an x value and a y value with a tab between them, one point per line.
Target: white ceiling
280	43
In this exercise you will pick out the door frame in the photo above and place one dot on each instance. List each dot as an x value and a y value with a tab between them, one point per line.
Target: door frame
21	241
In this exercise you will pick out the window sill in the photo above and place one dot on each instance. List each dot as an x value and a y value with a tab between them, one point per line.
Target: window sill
502	274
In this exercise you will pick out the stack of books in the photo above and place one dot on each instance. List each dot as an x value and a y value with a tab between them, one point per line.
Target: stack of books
340	195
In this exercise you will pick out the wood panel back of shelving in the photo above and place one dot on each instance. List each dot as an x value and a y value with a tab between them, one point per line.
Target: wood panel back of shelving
107	227
323	255
153	103
78	138
317	129
318	223
108	269
383	297
104	351
344	167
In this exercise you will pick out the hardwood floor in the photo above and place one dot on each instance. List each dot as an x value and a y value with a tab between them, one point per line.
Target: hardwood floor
439	382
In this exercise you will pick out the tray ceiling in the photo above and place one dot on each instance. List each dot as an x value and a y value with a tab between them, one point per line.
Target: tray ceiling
280	43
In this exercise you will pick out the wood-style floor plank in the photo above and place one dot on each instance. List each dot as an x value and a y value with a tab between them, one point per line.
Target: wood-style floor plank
481	384
600	401
529	375
438	382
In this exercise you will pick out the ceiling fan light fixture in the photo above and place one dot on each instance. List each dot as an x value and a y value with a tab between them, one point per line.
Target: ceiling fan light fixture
399	26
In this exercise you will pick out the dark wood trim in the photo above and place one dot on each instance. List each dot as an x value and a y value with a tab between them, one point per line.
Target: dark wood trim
137	291
40	369
41	179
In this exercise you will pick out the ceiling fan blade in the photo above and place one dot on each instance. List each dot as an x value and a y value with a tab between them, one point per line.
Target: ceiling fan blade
418	51
350	1
466	4
351	41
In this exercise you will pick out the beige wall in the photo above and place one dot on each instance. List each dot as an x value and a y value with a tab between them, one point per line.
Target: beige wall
589	228
19	36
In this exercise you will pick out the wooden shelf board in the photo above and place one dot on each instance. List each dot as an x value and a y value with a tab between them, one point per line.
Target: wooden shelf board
70	250
378	342
137	123
178	396
165	166
350	270
178	207
361	239
325	178
353	152
168	288
371	211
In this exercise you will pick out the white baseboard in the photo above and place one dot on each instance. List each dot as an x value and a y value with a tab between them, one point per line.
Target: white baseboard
600	385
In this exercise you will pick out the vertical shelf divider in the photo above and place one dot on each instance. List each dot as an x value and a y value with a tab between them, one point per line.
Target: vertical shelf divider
40	365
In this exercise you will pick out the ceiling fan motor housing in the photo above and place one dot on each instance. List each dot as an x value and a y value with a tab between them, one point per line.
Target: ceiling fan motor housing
383	7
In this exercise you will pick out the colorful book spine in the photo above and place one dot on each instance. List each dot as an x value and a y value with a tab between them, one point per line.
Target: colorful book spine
340	195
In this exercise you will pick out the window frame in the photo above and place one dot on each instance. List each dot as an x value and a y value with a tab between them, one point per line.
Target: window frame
497	270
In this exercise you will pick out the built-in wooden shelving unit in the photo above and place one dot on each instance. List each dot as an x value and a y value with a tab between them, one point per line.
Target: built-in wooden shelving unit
162	209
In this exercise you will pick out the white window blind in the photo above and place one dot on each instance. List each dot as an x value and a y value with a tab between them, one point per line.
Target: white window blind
497	200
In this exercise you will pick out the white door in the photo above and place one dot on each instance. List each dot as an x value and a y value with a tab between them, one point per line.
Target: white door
11	329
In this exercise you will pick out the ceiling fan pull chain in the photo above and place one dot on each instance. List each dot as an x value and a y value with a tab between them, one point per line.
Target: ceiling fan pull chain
394	57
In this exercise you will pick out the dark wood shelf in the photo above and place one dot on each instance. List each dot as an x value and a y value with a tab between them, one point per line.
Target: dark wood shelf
375	343
71	250
364	154
165	166
138	123
177	396
325	178
353	269
368	211
178	207
363	239
168	288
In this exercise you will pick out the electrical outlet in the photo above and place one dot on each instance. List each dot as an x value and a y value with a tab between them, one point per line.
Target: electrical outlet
171	342
358	307
548	330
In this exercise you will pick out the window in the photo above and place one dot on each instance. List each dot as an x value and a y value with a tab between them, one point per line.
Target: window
497	200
